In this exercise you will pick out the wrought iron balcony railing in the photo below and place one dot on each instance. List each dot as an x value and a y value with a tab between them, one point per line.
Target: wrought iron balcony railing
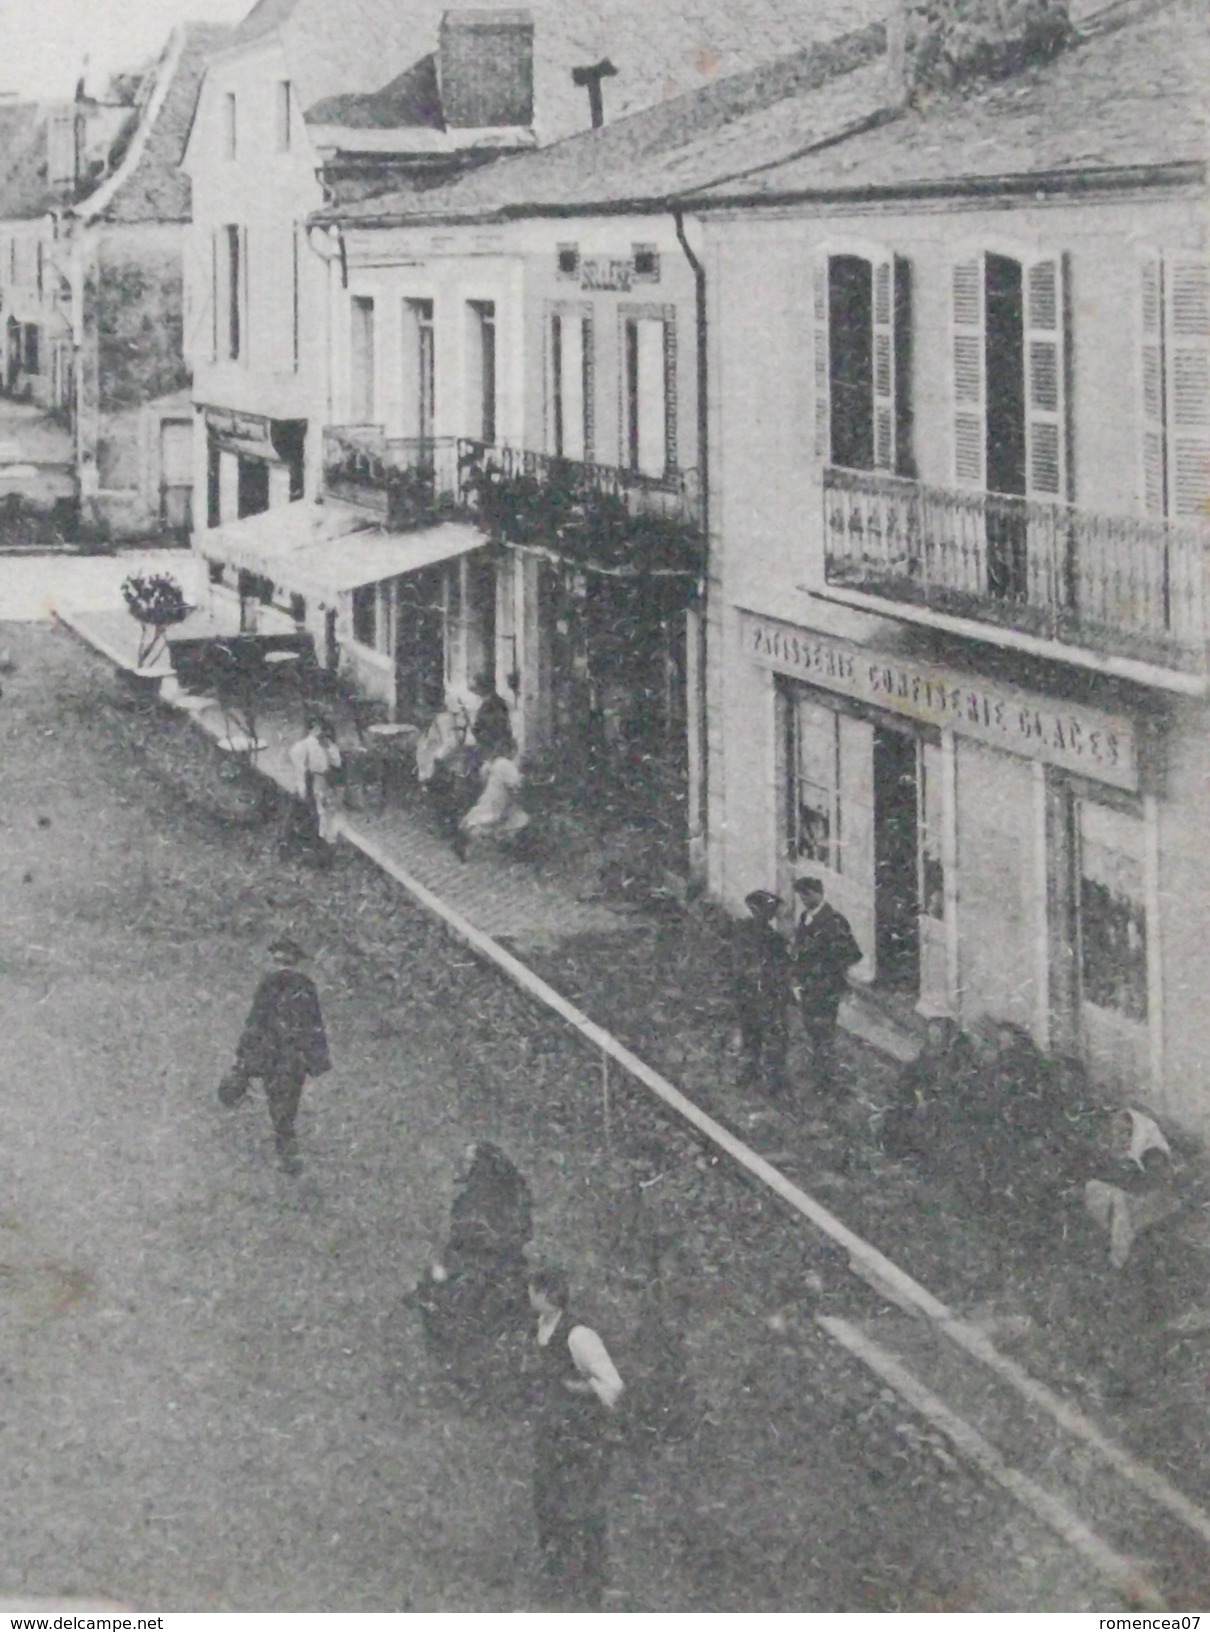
1120	586
602	516
410	482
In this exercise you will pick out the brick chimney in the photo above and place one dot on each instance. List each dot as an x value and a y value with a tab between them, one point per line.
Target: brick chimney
486	69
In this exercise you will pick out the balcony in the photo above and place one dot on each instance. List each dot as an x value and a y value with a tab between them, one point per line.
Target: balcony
410	482
1121	593
601	517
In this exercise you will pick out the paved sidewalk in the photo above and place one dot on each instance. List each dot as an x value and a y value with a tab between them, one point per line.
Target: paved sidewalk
518	902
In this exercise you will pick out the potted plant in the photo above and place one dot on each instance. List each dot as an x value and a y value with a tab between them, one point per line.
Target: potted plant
156	602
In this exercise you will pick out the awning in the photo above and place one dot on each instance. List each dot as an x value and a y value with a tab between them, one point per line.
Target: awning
327	549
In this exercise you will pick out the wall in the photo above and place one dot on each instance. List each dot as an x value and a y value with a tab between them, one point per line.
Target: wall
268	194
768	557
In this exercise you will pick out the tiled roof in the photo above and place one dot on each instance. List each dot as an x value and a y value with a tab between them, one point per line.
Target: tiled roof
24	190
744	119
412	98
1129	95
155	188
661	48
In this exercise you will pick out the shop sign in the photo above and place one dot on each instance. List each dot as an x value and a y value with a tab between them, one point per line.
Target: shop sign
606	272
230	422
1069	735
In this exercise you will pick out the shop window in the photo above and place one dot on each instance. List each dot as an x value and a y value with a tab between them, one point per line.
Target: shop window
1112	912
813	780
649	392
570	383
365	616
862	363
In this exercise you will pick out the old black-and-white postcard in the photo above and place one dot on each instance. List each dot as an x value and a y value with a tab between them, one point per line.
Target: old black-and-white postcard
603	860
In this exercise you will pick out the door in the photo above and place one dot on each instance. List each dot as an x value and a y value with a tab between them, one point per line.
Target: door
176	472
253	490
420	644
896	859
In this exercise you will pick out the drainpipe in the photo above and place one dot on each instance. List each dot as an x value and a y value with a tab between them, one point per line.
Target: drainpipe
698	811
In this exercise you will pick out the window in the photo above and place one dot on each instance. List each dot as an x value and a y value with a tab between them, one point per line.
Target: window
32	359
365	615
649	393
294	297
283	115
229	130
1112	911
361	361
1009	372
570	383
230	290
646	263
569	260
38	264
61	147
813	781
930	821
419	371
481	356
862	367
1176	386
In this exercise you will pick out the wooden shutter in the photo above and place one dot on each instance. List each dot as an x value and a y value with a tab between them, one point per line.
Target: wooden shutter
214	295
1187	319
885	393
1155	495
970	368
588	384
571	385
245	299
1045	376
823	365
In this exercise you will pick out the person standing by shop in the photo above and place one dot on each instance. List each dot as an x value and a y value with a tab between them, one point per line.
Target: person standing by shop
283	1043
762	993
493	728
578	1387
313	759
822	951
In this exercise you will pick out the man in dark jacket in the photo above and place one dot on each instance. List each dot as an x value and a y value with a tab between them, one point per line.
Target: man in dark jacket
493	723
822	952
283	1043
762	993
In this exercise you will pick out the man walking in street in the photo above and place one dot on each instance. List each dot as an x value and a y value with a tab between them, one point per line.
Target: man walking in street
822	952
578	1387
762	993
283	1043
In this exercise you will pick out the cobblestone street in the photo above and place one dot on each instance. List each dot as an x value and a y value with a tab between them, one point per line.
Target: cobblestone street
213	1397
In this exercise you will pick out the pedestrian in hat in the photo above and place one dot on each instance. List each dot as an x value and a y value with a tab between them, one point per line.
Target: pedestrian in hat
822	951
762	992
283	1043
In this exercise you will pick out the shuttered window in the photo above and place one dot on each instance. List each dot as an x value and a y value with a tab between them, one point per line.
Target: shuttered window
570	382
969	346
859	320
1008	321
1187	313
1175	406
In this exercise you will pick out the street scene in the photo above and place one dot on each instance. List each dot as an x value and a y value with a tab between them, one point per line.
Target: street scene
603	674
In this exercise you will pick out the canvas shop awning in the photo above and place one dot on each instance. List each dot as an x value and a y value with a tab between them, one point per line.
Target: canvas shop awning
326	550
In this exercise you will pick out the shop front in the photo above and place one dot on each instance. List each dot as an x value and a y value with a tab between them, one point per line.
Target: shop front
993	848
253	463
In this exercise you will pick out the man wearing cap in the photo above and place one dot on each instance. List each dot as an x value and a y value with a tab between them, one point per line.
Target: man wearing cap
762	992
822	951
283	1043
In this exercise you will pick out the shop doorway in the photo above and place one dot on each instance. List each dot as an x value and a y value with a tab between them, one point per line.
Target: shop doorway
896	859
420	644
253	491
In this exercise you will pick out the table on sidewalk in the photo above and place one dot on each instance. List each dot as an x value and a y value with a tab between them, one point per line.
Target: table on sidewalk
380	764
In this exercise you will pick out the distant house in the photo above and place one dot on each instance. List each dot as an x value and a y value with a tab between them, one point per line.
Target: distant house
93	211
